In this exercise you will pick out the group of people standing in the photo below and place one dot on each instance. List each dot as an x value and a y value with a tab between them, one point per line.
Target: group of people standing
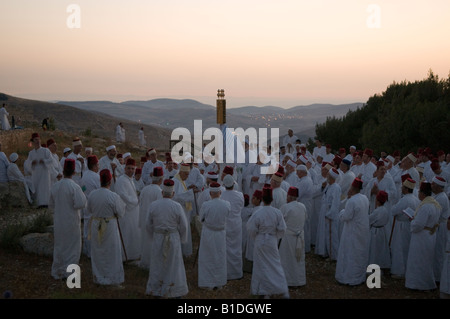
353	209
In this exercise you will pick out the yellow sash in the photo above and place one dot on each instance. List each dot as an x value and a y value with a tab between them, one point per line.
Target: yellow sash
188	205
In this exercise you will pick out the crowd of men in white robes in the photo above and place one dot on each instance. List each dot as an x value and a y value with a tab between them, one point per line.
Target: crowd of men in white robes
354	209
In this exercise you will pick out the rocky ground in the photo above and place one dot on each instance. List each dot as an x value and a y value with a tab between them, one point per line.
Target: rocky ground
27	276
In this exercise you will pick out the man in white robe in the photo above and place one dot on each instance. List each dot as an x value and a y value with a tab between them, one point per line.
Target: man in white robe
444	283
129	223
212	255
233	229
66	200
400	232
347	178
379	218
185	197
39	162
437	186
89	182
104	207
353	253
289	141
266	226
305	192
80	165
4	118
137	180
331	201
4	164
56	169
110	162
148	195
141	137
16	180
368	168
168	227
279	194
152	162
66	153
419	273
291	247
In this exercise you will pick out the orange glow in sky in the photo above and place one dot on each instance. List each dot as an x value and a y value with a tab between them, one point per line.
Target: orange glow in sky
282	53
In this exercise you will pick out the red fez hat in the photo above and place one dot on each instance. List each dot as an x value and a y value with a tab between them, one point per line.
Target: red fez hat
43	145
425	187
120	155
158	171
92	159
280	170
293	191
138	171
368	152
435	165
267	192
267	185
50	141
143	159
228	170
382	197
337	159
440	153
380	164
342	150
360	153
439	181
396	153
105	176
357	182
131	162
406	176
214	184
246	199
69	165
258	194
33	136
324	163
328	146
169	182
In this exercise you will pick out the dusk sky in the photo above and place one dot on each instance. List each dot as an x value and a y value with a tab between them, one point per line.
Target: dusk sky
282	53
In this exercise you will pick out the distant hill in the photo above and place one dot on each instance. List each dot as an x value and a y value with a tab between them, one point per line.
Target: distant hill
173	113
74	120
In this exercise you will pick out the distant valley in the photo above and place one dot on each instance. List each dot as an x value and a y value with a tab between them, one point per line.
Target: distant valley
173	113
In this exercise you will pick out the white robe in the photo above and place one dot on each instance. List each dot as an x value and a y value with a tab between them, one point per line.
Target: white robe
234	234
104	206
15	175
4	163
185	197
379	252
66	200
353	254
147	170
419	267
441	235
4	119
129	223
212	255
266	226
400	233
148	195
345	182
105	163
305	193
40	174
55	169
279	197
444	283
141	138
292	252
79	167
167	226
89	182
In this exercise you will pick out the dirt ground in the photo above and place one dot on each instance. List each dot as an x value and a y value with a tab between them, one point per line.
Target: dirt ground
27	276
